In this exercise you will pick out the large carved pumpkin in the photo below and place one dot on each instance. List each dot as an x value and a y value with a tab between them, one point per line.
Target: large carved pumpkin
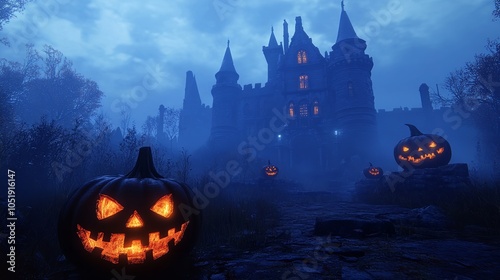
373	172
422	150
134	221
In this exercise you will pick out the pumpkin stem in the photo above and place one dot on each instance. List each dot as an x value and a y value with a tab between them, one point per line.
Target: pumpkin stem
370	164
414	130
144	166
269	162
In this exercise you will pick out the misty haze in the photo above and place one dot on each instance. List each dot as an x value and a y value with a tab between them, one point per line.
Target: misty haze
229	139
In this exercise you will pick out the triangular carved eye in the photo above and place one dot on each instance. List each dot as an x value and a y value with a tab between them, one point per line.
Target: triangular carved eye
107	207
164	206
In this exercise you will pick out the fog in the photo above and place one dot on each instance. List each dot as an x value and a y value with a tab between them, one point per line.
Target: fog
300	95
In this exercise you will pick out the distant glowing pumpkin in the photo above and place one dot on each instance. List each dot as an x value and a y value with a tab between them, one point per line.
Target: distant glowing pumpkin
270	170
373	172
422	150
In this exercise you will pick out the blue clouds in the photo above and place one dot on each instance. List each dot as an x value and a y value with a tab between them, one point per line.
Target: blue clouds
114	42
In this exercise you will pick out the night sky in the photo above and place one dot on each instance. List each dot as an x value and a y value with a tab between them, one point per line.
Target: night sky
146	47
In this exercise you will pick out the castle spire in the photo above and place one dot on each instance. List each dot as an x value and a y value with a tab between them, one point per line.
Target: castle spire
227	62
227	72
191	93
272	39
286	38
298	24
346	31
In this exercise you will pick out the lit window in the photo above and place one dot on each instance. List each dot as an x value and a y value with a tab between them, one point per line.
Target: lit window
301	57
316	108
303	110
303	81
350	88
290	110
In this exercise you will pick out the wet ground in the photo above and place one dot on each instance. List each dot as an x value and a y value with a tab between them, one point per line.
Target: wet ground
322	235
422	245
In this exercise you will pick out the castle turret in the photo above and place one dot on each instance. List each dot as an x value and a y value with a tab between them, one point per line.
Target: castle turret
286	38
272	52
226	96
191	94
349	70
193	131
425	97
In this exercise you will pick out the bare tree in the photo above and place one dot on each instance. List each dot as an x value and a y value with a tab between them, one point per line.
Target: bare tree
496	12
149	128
8	9
475	88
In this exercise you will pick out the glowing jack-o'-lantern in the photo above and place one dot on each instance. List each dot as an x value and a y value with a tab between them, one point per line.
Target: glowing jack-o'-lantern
140	220
270	170
372	172
422	150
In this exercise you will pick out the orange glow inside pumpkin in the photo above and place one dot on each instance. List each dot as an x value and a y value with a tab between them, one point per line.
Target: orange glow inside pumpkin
134	221
421	158
374	171
271	170
164	206
107	207
136	252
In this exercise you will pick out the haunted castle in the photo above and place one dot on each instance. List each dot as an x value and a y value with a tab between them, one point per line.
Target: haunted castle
314	112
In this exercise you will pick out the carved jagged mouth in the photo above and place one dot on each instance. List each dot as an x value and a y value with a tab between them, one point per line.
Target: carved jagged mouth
423	157
136	252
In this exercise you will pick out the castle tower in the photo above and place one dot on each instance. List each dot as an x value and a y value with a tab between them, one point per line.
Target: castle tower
303	85
349	70
193	131
285	36
272	52
425	97
226	96
302	64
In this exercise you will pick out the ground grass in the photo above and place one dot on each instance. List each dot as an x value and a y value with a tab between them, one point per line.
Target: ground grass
241	217
475	204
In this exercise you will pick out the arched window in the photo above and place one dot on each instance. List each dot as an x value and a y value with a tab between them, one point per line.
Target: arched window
316	108
291	111
301	57
304	109
303	81
350	88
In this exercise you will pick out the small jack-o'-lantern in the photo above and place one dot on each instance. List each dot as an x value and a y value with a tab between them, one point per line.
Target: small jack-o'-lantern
373	172
141	220
270	170
422	150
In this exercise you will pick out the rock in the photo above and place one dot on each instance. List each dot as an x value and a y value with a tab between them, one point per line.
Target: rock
353	227
415	188
219	276
354	274
430	216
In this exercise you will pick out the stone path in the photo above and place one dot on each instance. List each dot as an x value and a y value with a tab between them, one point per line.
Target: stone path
419	249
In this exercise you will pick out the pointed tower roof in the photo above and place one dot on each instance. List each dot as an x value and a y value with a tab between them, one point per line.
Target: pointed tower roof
227	73
272	39
346	31
191	93
227	62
